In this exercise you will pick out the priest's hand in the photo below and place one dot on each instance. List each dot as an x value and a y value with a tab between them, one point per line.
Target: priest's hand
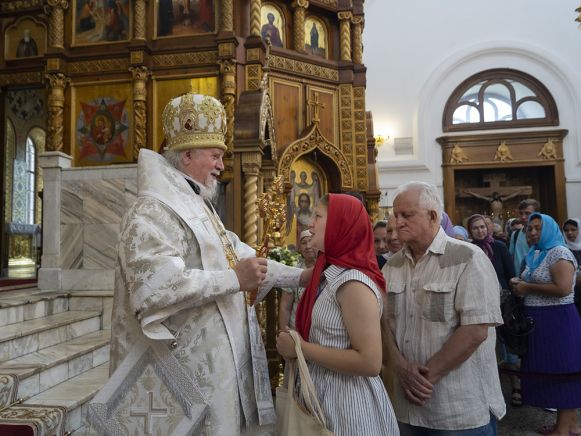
251	272
286	345
306	277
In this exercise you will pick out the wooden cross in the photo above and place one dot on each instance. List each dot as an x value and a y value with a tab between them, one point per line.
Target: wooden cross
315	102
148	413
496	183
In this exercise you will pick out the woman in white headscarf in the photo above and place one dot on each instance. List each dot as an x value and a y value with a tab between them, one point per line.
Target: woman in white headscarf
573	240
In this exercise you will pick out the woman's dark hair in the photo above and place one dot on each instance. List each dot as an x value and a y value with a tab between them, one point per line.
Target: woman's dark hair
572	222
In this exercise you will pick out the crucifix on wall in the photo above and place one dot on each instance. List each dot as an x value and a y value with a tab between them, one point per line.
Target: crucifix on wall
496	193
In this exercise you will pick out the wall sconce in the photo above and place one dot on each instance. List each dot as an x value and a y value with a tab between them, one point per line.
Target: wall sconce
380	140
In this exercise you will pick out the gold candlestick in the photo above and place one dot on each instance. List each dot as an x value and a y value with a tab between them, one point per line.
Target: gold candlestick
272	210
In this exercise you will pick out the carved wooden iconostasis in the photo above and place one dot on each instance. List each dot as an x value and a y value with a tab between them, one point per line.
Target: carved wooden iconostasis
107	69
513	165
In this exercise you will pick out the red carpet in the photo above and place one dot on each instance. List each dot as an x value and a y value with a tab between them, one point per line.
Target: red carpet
16	282
16	430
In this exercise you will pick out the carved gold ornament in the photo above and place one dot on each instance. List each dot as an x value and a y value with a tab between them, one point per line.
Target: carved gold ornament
299	7
503	152
56	101
194	121
314	139
101	65
272	208
346	119
549	150
139	30
227	16
56	10
458	156
20	5
191	58
357	39
255	17
21	78
345	42
140	77
360	127
294	66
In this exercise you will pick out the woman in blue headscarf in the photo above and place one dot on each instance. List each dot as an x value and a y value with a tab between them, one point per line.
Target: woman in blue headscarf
555	345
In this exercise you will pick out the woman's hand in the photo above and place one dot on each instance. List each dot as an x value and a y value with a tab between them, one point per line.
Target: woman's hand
519	287
286	345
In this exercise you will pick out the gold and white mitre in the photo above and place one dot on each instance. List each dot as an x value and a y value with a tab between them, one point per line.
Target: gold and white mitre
194	121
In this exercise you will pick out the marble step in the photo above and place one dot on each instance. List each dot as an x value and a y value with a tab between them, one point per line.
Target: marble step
26	337
46	368
74	394
24	305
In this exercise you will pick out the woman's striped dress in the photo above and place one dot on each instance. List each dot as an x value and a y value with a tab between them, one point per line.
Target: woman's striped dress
353	405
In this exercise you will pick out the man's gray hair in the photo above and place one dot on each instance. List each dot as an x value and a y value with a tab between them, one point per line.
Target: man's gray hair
529	202
174	157
429	196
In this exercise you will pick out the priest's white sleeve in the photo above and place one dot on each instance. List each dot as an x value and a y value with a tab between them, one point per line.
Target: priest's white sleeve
278	275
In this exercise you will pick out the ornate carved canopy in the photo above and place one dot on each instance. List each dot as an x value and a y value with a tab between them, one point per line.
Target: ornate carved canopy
312	140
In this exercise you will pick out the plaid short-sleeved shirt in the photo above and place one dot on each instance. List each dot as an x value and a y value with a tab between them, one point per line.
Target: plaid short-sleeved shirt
453	284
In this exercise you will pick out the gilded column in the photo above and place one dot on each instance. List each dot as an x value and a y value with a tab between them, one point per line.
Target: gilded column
227	16
56	103
140	76
139	21
345	26
373	209
357	39
251	163
228	72
299	6
56	10
360	172
255	17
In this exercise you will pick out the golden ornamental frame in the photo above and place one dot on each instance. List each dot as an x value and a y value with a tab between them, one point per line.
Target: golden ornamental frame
314	140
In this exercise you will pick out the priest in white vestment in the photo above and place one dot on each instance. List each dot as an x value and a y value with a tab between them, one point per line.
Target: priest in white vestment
180	276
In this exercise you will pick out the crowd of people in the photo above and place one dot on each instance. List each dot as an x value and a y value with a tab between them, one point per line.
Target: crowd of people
445	286
397	321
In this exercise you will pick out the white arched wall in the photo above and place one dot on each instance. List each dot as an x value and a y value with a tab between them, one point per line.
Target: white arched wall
425	162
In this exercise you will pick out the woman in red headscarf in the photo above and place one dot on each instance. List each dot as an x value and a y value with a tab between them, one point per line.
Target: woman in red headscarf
339	320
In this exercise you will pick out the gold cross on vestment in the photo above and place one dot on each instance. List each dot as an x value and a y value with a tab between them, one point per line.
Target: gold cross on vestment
148	414
315	102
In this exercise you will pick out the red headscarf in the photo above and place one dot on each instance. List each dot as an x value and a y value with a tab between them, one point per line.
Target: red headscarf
349	244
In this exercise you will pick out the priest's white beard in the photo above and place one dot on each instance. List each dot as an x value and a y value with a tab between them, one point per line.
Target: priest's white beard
209	189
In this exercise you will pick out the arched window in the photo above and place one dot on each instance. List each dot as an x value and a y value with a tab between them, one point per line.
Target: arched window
30	180
499	98
24	186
